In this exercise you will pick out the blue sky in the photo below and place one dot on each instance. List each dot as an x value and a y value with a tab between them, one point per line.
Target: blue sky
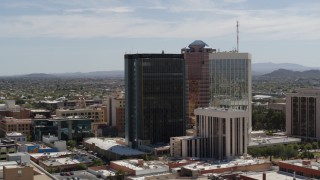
53	36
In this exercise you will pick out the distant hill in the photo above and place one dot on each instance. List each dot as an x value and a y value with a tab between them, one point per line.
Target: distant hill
95	74
289	74
258	69
37	75
265	68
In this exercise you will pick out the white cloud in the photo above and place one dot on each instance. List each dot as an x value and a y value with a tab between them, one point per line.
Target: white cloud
122	9
235	1
190	19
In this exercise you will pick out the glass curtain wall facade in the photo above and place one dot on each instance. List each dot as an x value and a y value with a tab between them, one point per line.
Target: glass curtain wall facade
301	114
196	57
230	82
154	97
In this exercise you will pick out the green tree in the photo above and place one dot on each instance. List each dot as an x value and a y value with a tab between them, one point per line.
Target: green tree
81	166
20	101
97	162
308	146
315	145
71	144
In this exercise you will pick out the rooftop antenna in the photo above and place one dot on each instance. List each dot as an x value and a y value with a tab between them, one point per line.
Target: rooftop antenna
237	36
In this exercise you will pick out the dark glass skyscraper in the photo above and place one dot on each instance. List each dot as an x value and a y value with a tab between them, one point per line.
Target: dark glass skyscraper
155	98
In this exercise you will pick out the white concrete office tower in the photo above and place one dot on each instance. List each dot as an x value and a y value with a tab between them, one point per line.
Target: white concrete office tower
226	131
230	81
302	114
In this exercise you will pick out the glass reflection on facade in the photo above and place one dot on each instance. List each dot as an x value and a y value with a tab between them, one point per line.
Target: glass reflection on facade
64	128
230	81
303	115
155	98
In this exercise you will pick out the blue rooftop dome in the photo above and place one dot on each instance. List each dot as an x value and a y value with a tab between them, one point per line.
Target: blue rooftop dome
198	43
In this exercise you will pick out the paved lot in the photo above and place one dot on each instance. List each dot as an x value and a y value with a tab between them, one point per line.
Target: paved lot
83	175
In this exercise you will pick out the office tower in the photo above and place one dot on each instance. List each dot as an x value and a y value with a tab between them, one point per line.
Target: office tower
117	112
220	134
230	81
154	98
196	57
223	128
302	114
226	131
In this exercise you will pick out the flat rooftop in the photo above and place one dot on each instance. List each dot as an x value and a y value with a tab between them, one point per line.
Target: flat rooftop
113	146
272	140
66	161
7	163
133	164
13	134
51	154
298	162
233	163
272	175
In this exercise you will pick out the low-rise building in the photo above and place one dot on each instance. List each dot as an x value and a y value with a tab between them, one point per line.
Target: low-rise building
269	175
112	149
281	107
304	168
63	163
272	140
75	128
242	165
6	163
36	157
17	137
19	157
139	167
102	171
9	124
54	142
97	113
36	148
18	172
7	146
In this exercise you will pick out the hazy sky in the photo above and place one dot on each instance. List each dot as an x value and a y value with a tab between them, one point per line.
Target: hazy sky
52	36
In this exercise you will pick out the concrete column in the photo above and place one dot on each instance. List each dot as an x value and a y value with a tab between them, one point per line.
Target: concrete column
241	136
59	130
228	137
70	130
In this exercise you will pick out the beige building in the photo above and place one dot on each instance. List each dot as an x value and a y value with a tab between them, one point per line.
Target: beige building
220	134
277	107
139	167
302	114
9	124
97	113
117	112
17	172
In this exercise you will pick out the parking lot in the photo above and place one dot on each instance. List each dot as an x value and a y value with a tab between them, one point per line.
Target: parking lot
83	175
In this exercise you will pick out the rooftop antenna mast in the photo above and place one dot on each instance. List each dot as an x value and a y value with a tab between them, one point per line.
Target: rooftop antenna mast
237	36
